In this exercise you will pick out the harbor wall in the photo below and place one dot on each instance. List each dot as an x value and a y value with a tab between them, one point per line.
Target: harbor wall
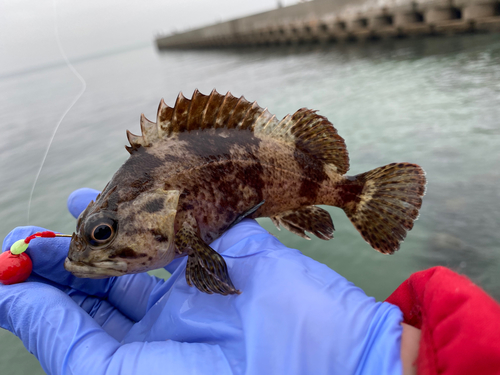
320	21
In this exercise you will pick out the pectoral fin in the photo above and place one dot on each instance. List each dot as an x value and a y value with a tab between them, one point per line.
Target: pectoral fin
205	268
310	218
246	214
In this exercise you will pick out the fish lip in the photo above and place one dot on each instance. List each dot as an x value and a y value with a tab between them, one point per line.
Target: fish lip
97	270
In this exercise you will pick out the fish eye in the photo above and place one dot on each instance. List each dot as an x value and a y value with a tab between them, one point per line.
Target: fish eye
100	230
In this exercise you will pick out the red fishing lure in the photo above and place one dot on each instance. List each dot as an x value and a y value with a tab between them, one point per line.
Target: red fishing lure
15	264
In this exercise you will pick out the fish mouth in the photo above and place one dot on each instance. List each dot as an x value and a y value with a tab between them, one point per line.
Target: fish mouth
97	270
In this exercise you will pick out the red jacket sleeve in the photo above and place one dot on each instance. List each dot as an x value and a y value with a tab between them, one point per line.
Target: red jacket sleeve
460	323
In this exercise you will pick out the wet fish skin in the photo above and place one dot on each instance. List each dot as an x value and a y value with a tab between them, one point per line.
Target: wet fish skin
209	160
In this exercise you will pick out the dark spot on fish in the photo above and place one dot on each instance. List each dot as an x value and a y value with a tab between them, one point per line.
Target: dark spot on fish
159	237
231	216
195	190
130	230
173	158
309	189
187	206
210	238
220	208
314	173
127	253
185	193
150	258
143	183
253	177
350	193
141	164
130	254
107	199
154	205
214	145
143	263
165	114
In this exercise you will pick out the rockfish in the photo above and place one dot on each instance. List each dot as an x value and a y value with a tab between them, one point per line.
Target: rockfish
210	161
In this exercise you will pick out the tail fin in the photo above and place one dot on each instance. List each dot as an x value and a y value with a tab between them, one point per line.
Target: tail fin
388	204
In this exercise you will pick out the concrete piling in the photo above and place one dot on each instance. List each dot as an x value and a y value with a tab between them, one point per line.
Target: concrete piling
472	10
323	21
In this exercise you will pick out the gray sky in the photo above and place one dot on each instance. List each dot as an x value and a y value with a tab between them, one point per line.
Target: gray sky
27	27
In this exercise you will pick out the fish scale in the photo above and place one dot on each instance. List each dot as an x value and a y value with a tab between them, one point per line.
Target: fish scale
213	159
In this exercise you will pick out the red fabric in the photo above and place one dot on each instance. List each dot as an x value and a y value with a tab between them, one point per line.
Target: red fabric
460	323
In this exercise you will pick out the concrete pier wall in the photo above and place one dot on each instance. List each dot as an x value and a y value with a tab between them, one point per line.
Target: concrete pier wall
320	21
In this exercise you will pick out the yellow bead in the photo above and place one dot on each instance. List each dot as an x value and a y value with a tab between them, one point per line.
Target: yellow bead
18	247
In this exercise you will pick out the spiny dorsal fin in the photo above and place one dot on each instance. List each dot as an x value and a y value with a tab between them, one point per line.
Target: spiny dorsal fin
163	118
135	141
149	135
149	130
311	133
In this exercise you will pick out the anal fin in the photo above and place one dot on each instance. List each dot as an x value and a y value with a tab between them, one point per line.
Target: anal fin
205	269
310	218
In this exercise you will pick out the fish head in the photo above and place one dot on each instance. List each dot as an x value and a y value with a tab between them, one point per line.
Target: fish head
115	237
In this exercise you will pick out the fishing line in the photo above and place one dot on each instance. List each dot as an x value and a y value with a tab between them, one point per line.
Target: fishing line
84	87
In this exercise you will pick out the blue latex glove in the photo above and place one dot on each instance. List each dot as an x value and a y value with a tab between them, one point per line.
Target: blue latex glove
295	315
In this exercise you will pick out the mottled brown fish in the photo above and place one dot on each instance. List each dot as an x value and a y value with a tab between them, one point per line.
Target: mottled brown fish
212	160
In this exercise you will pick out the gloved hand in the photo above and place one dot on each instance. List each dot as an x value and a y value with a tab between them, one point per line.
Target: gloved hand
294	316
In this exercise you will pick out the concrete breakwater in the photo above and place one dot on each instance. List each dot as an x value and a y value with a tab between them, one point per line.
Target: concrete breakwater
323	21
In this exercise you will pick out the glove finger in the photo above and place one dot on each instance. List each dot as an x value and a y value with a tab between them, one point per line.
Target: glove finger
54	328
106	315
66	340
80	199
